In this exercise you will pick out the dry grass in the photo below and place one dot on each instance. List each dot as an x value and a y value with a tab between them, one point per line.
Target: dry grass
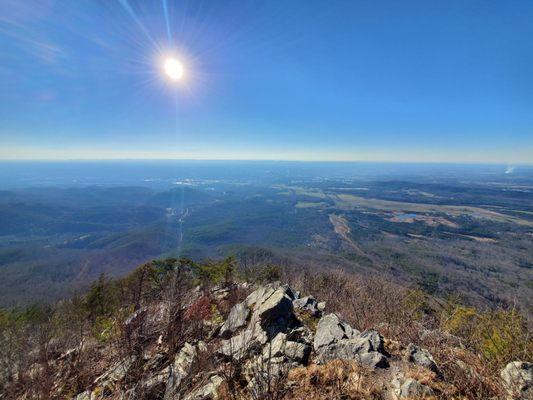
401	315
406	316
334	380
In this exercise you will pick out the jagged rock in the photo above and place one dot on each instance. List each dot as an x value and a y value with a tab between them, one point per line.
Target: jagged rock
220	292
259	295
517	377
282	347
331	329
372	359
185	358
414	389
274	313
421	357
302	334
307	303
362	343
293	294
209	391
374	341
116	373
277	305
178	370
358	349
240	345
336	339
236	319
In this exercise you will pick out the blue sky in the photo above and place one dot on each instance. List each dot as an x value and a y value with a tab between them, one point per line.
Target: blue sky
446	81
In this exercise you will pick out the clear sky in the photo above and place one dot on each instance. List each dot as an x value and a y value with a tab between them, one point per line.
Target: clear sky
295	80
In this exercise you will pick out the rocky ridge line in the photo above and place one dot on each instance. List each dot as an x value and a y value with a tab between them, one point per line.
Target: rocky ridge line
274	331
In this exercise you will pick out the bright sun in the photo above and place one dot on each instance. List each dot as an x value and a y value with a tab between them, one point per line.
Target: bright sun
173	69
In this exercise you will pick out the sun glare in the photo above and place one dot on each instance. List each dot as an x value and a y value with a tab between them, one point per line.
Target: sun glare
173	69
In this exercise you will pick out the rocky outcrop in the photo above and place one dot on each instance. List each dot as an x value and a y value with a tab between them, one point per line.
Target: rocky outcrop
421	357
336	339
290	350
275	312
309	304
275	335
411	389
242	345
264	337
517	378
330	330
179	369
236	319
360	349
208	391
113	375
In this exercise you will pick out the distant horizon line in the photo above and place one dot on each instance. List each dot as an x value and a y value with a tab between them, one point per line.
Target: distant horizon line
22	160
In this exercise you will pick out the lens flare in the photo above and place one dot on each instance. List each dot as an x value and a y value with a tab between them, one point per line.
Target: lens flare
173	69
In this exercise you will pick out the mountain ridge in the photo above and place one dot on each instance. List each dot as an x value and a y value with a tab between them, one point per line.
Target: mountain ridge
177	329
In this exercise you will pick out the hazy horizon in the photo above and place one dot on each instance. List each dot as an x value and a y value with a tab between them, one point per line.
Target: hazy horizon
303	160
265	160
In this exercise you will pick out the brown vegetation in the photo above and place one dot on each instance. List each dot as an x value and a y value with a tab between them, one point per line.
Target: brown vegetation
57	352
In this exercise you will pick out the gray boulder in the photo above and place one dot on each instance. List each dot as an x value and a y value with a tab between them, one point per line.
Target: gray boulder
421	357
374	341
372	360
259	295
371	341
335	339
115	374
307	303
275	312
240	346
359	349
209	391
220	292
179	370
517	377
272	313
302	334
282	347
236	319
414	389
331	329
